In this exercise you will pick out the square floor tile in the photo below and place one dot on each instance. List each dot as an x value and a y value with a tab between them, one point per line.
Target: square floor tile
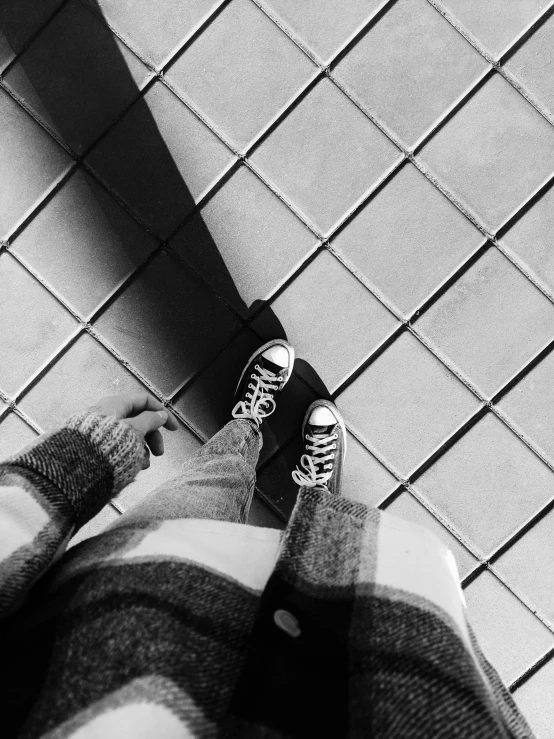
408	240
408	508
156	31
14	435
496	23
406	404
241	72
79	378
83	243
511	637
364	478
410	69
19	20
530	241
533	65
208	401
31	163
487	485
33	325
535	700
77	77
323	27
160	159
167	323
490	322
325	156
528	565
530	406
244	242
330	318
493	168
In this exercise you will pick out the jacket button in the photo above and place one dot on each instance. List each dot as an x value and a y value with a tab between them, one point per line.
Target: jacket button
287	622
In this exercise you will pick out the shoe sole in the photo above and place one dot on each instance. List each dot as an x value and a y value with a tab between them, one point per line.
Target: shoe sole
335	411
261	350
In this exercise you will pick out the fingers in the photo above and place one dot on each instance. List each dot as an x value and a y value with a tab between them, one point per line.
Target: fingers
131	404
155	441
147	424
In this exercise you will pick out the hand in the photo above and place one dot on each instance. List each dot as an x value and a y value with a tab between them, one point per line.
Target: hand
140	410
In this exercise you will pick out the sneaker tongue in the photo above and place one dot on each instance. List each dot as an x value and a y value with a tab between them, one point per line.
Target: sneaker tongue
271	366
322	430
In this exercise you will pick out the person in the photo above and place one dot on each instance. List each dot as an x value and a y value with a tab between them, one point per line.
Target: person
181	620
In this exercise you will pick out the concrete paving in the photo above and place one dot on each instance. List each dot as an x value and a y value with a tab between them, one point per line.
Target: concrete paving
371	179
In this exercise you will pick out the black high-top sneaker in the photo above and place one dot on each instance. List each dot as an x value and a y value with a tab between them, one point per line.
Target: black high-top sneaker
265	375
324	435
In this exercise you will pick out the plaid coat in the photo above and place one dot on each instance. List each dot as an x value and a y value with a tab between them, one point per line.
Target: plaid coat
94	639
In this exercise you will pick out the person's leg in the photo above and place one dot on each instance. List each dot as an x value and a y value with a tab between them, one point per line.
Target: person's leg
217	482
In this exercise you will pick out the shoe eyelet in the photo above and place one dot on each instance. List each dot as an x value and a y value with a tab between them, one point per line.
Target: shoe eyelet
257	366
332	456
334	446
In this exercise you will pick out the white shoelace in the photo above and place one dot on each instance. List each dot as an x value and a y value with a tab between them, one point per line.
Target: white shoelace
255	407
313	478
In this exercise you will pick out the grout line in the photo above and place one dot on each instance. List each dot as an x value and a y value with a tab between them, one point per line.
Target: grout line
531	671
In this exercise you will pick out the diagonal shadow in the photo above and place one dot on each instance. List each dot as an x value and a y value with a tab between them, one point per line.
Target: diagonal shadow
169	323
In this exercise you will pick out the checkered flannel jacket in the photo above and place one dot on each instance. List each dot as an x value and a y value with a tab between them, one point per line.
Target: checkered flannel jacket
186	652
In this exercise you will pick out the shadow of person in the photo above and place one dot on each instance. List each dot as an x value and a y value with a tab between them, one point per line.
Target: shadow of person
181	320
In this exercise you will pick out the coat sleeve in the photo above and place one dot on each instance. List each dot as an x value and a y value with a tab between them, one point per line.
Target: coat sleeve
52	487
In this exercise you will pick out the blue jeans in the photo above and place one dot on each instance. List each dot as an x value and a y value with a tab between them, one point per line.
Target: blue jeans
216	482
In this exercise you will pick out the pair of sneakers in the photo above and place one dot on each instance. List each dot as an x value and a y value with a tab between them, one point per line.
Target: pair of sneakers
323	430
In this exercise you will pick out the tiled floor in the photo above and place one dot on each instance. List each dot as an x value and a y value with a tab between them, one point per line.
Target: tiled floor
374	180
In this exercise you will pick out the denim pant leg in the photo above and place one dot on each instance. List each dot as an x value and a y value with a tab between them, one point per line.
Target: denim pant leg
216	482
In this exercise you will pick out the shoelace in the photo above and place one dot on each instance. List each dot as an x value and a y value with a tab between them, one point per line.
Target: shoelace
309	462
255	406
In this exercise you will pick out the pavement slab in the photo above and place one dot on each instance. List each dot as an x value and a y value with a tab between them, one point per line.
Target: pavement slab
34	161
83	244
492	169
155	32
529	406
407	241
527	566
511	636
239	85
355	324
323	28
325	157
487	471
533	65
244	242
168	323
490	323
33	325
397	405
415	52
372	180
75	77
160	159
494	24
19	21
